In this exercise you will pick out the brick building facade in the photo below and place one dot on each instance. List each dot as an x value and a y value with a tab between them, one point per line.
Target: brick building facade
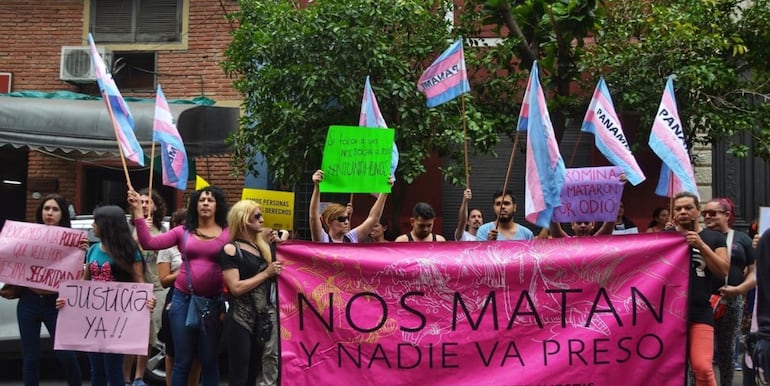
187	68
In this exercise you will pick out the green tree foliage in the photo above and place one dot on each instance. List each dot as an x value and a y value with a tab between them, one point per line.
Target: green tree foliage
553	32
716	49
303	69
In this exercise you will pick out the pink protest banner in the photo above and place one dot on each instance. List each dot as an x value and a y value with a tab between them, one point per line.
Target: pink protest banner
590	194
590	311
104	316
40	256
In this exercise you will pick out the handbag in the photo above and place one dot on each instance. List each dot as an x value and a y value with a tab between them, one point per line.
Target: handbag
718	302
201	310
718	305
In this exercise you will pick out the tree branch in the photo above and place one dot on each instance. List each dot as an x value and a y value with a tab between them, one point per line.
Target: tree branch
513	27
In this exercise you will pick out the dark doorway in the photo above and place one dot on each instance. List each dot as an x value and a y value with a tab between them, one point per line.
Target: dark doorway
107	186
13	183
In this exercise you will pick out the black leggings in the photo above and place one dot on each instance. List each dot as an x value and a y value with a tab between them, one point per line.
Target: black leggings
244	354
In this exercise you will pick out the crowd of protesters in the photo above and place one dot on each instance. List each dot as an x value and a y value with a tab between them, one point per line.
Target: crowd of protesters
225	254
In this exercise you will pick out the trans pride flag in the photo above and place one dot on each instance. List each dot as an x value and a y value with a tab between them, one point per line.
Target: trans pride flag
545	167
667	140
446	78
121	117
372	117
173	155
602	121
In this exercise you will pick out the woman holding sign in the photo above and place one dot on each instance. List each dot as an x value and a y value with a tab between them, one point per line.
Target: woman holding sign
199	240
115	258
37	307
336	218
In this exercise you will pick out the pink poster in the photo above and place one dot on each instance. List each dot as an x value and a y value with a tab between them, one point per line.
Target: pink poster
40	256
589	311
104	316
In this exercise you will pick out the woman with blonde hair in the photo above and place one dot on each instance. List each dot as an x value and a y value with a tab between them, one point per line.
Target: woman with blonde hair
336	218
247	268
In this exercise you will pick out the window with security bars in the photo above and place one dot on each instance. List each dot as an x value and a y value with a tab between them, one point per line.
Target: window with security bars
136	21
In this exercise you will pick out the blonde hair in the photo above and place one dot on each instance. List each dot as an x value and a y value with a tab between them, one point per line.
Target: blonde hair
237	218
332	211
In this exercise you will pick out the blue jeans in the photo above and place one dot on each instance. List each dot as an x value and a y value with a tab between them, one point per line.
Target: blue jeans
32	311
106	369
192	342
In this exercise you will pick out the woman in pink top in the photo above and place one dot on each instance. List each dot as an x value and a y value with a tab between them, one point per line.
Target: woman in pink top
200	239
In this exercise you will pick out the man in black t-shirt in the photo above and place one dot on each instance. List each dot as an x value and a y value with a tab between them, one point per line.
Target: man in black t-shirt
708	264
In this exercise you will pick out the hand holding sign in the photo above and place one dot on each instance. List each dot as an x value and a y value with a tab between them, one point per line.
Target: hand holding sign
109	317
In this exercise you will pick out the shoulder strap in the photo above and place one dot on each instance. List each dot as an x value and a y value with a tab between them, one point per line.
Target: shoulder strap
730	235
434	236
186	260
409	236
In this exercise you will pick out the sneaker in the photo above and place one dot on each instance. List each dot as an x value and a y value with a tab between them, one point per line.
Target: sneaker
138	382
738	367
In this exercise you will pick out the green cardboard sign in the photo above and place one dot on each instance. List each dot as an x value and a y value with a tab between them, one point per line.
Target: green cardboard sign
357	160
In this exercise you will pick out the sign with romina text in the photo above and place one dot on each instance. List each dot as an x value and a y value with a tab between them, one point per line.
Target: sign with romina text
104	316
590	194
277	207
588	311
40	256
357	160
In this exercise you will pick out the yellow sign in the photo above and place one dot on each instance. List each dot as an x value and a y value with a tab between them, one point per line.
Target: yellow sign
277	207
200	183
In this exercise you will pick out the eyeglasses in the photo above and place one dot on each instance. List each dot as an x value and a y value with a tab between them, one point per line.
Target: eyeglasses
257	216
711	213
342	218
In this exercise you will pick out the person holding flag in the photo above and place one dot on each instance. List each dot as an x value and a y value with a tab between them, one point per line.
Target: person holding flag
445	79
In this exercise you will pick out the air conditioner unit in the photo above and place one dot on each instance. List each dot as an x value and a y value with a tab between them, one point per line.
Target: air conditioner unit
76	65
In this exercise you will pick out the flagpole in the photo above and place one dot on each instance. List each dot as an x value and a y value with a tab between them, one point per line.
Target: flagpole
671	194
508	172
152	171
574	150
120	148
465	144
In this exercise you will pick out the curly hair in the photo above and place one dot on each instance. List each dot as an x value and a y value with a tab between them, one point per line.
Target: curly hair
220	213
65	221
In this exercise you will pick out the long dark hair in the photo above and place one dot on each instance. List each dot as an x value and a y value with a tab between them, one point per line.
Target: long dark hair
66	221
116	237
220	214
159	207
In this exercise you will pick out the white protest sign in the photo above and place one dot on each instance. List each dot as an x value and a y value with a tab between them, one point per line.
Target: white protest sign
104	316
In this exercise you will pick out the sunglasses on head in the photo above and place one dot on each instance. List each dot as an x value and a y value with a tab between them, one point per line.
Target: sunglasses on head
711	213
342	218
257	216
